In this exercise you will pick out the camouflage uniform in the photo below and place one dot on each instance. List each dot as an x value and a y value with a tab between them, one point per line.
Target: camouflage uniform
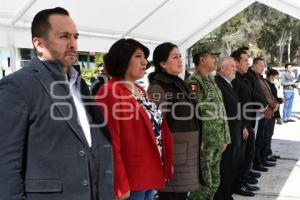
215	132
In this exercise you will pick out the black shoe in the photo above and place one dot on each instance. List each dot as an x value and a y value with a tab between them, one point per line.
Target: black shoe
268	164
252	180
254	174
252	187
275	156
244	192
260	168
291	120
271	159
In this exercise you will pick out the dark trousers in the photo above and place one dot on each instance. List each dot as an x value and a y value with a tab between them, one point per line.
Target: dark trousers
246	160
228	171
172	195
269	131
247	156
262	140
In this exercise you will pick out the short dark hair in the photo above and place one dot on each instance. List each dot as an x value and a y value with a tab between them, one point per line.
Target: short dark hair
287	64
160	54
117	59
237	54
40	25
196	58
255	60
199	55
272	72
243	48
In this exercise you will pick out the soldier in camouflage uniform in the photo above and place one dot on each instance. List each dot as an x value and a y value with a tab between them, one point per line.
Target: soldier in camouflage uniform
215	131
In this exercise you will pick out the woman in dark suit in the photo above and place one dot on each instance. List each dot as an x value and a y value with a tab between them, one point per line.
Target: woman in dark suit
142	143
174	97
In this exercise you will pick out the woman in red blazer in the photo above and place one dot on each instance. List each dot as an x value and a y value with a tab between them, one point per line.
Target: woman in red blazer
142	142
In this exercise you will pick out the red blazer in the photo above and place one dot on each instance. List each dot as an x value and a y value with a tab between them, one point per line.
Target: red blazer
137	162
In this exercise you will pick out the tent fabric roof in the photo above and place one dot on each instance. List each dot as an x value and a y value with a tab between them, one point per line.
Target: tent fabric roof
102	22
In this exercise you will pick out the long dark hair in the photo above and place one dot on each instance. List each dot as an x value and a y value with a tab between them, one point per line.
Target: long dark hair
160	54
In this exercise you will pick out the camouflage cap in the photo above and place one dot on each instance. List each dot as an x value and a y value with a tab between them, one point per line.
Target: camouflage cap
204	49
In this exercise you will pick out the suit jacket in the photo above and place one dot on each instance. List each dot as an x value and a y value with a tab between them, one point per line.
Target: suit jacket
257	91
137	162
43	150
233	110
245	86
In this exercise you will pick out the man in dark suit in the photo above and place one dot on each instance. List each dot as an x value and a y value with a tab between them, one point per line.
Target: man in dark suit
264	130
230	157
52	141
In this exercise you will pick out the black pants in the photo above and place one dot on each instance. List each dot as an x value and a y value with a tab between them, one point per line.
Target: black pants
269	131
246	160
263	139
228	171
248	156
172	195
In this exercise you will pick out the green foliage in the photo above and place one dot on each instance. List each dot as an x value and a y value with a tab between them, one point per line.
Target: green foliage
87	73
262	28
99	58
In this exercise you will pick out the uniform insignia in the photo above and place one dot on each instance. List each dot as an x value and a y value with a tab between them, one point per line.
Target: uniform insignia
194	87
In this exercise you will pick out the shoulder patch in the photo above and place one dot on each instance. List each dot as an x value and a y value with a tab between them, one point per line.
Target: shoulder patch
194	87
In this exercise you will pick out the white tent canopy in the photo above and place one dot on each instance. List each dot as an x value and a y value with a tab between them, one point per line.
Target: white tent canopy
101	22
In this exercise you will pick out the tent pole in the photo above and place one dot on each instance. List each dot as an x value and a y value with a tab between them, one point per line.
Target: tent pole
12	50
22	11
144	18
19	14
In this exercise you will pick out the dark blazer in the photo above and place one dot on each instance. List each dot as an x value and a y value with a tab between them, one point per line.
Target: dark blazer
97	84
233	110
249	96
43	150
174	97
258	94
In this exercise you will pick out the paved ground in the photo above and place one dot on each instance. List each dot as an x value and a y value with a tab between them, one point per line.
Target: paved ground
283	181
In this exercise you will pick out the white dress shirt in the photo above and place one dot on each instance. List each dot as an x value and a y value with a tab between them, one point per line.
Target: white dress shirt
81	112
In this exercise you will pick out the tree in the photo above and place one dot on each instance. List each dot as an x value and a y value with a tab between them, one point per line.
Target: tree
275	34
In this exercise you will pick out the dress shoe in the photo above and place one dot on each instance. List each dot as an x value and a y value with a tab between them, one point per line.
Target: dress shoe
291	120
254	174
271	159
252	180
268	164
260	168
279	121
244	192
252	187
275	156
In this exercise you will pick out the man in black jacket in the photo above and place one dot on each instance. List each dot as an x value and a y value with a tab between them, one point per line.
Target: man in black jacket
53	144
263	136
251	102
231	156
